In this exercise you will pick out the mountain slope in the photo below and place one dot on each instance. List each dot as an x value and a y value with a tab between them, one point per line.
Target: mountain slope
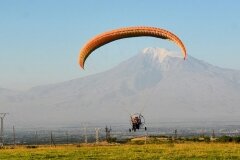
157	81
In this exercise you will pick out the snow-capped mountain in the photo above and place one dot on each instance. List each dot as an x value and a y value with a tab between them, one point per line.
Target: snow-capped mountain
156	81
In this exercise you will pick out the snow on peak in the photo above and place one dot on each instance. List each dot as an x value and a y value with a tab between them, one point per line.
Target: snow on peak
159	53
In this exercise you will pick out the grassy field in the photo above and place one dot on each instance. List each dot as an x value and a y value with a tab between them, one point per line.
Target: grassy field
188	150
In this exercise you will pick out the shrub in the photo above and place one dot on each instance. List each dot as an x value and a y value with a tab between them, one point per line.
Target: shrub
31	146
225	139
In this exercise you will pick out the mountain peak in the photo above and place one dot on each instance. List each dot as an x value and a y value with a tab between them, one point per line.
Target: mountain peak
159	54
173	90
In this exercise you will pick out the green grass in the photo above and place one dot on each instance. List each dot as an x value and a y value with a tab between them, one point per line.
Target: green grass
188	150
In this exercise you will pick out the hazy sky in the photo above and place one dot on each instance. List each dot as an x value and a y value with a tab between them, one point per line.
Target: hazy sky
40	39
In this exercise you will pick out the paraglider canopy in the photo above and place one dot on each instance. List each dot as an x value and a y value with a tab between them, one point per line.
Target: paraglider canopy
127	32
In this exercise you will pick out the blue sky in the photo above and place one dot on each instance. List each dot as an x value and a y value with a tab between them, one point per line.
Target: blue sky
40	40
